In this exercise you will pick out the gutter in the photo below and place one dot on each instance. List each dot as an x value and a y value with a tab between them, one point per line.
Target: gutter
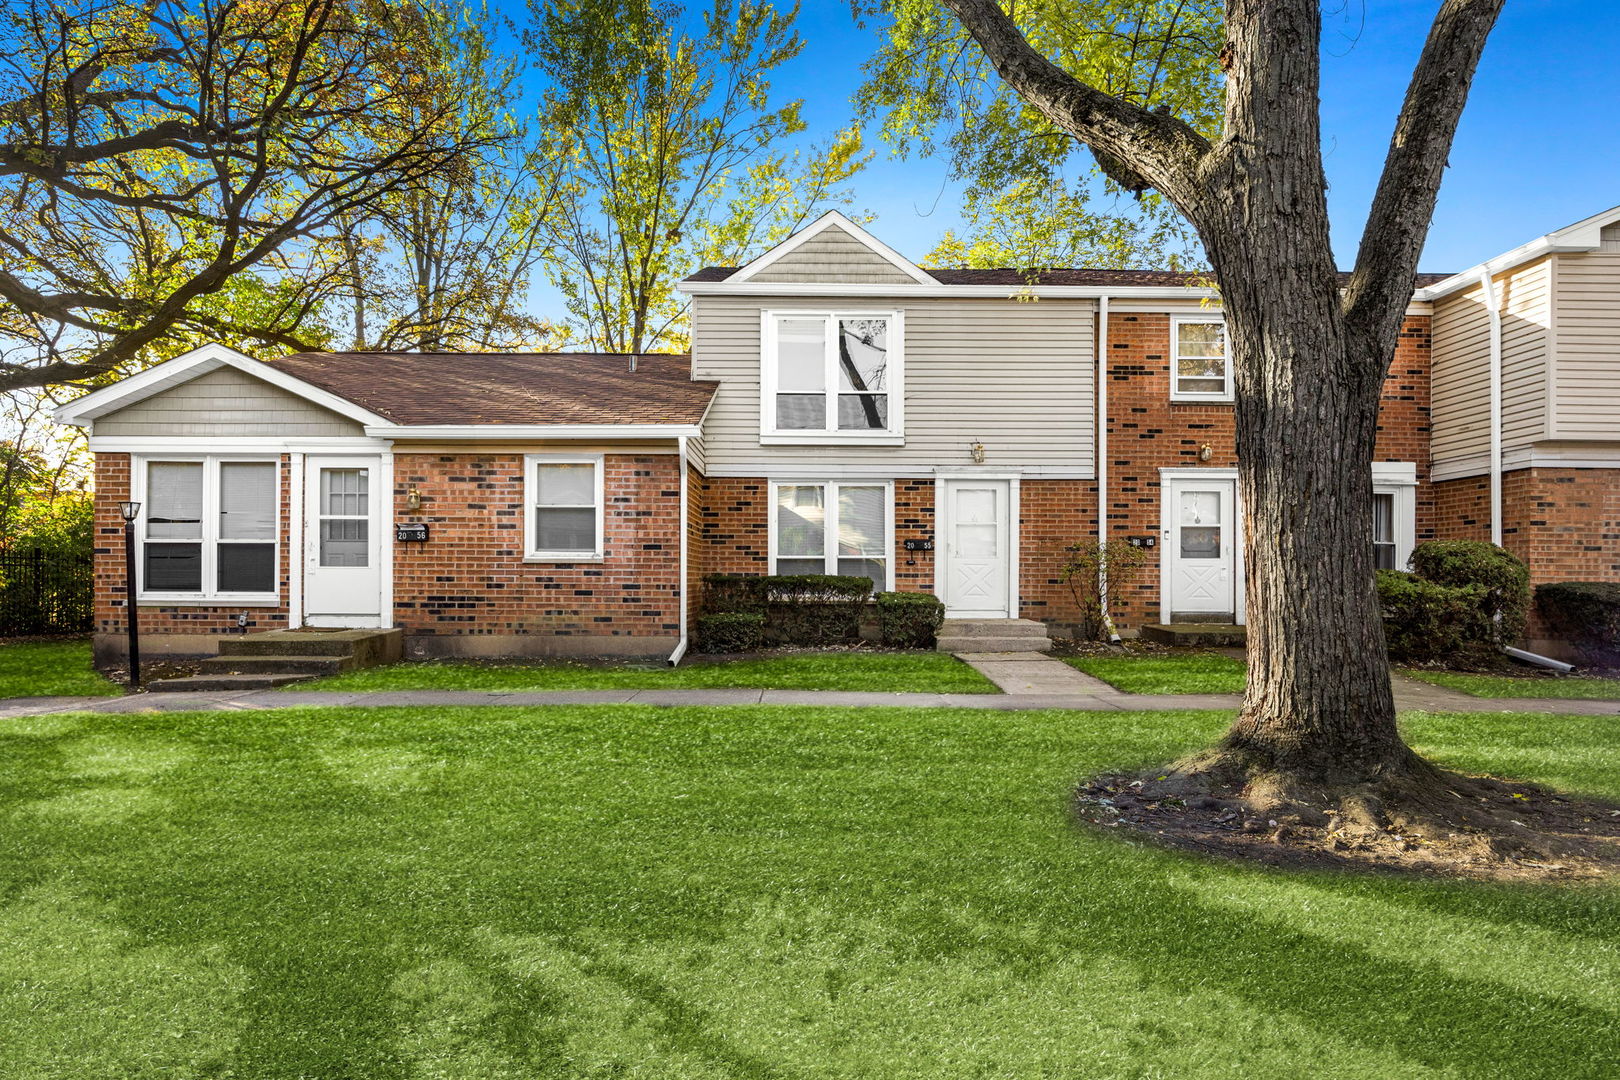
1493	305
1102	469
680	646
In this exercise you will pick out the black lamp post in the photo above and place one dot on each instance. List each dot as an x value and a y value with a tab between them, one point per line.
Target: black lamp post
131	510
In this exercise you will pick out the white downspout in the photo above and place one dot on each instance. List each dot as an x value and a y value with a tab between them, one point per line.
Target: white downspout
680	646
1102	468
1494	307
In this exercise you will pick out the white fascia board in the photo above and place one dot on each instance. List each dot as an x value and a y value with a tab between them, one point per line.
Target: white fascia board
1584	235
532	431
831	219
197	362
799	470
992	292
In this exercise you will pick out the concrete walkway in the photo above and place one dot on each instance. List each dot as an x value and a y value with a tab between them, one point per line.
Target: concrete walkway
1034	673
1095	696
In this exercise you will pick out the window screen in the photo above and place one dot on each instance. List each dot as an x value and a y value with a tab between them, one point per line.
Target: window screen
565	510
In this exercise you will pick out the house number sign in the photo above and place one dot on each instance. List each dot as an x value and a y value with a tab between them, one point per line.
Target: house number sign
919	545
411	534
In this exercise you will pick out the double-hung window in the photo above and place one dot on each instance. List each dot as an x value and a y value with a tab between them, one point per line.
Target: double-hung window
563	507
209	529
1200	369
832	528
831	377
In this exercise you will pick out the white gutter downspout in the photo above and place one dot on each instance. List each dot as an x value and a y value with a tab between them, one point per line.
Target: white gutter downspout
680	646
1102	469
1494	307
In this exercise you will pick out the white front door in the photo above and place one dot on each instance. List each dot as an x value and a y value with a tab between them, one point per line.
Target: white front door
977	519
343	542
1200	543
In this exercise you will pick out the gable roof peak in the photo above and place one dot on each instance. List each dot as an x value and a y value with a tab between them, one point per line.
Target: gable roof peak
834	219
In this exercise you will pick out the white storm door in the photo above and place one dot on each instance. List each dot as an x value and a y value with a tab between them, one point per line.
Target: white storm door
1201	538
343	542
978	564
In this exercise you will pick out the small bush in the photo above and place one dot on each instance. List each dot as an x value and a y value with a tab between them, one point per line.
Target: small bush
1505	579
730	593
909	620
1586	615
1425	620
735	631
797	609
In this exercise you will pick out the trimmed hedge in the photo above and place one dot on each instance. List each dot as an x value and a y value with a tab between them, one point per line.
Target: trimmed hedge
909	620
797	609
1586	614
1424	620
1505	579
734	631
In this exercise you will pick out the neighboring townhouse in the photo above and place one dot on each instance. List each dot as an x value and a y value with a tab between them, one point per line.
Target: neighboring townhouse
843	411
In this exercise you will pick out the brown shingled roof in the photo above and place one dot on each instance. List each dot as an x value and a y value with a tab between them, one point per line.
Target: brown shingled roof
509	388
1053	276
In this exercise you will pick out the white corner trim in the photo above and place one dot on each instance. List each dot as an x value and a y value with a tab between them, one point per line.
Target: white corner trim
200	361
533	431
833	219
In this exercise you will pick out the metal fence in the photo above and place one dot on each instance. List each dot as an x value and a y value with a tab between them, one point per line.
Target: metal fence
43	593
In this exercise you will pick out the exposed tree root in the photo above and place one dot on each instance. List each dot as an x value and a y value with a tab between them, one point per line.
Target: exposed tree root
1415	818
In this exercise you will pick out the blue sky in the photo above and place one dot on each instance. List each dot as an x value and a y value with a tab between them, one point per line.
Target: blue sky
1537	148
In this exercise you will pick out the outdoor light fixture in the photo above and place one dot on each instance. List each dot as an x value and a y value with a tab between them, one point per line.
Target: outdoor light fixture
976	452
131	511
1205	452
413	500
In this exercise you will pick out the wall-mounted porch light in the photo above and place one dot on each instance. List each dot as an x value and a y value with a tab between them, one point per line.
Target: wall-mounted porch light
413	500
976	452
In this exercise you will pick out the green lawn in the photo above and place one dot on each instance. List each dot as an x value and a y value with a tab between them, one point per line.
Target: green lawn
49	669
695	894
1185	673
892	672
1509	686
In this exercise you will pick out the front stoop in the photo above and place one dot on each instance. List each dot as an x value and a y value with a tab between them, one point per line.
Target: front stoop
993	636
1204	635
278	657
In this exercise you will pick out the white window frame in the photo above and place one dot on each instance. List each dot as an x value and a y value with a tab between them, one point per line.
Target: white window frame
1206	396
1399	478
531	492
894	374
209	594
830	535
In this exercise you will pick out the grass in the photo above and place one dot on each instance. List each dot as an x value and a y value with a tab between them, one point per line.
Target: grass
1183	673
695	894
1511	686
880	672
49	669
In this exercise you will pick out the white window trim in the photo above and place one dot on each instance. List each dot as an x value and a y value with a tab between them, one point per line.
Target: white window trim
210	540
1400	480
530	491
769	435
1176	394
830	536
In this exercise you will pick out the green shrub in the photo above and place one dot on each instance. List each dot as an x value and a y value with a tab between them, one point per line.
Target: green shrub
730	593
1505	579
909	620
736	631
1585	614
798	609
1425	620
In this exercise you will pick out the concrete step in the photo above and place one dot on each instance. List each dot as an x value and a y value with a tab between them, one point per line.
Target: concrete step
980	643
993	628
225	682
1204	635
278	665
368	647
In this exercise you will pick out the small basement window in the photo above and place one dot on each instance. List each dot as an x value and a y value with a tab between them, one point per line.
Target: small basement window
563	519
1200	369
210	529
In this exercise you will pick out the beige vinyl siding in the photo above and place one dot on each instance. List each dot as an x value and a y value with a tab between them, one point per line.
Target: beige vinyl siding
834	255
1461	366
1586	366
225	402
695	453
1014	376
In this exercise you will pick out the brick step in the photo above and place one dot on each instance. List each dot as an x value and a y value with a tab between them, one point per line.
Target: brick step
993	628
225	682
980	643
1205	635
278	665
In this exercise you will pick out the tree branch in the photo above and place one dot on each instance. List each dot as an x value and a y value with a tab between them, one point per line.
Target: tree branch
1404	204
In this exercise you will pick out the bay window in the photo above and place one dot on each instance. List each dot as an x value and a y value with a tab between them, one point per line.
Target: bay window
210	529
1200	369
832	528
830	377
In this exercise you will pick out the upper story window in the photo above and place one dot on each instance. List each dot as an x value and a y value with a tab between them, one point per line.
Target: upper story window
831	377
210	529
563	518
1200	369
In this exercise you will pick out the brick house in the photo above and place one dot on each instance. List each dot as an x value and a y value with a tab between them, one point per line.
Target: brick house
842	410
